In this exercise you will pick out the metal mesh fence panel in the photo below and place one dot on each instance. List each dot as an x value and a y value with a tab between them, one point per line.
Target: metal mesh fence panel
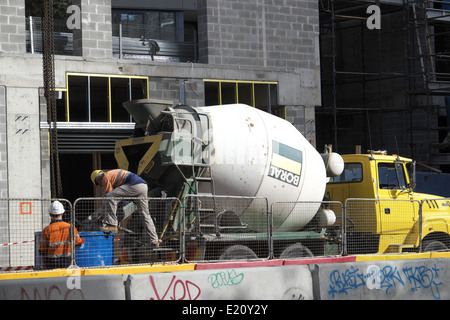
382	226
130	243
434	215
23	223
307	229
226	228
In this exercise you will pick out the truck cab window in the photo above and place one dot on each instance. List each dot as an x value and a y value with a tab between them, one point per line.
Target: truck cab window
391	176
352	173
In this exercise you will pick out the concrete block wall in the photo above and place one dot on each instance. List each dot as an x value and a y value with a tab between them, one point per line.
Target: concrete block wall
94	39
268	35
281	34
173	89
12	26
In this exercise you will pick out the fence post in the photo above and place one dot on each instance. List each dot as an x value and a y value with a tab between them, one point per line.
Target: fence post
120	41
344	229
270	230
31	35
420	224
72	237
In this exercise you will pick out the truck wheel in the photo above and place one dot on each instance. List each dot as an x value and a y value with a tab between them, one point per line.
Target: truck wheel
433	245
296	250
238	252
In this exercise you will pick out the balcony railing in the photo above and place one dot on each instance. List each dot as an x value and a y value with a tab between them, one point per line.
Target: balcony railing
135	43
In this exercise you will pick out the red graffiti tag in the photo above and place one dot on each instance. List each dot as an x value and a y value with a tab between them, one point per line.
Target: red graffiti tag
52	293
181	290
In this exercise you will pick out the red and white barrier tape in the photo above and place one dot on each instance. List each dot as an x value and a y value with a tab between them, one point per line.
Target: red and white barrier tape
21	268
18	242
15	268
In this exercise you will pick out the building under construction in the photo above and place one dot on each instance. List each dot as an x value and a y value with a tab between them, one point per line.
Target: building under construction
386	88
315	63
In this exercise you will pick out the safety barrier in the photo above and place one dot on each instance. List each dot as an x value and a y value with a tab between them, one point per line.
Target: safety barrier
131	244
202	228
381	226
226	227
322	236
423	276
20	220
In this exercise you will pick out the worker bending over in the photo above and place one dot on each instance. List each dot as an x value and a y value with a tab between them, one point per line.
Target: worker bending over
122	184
54	247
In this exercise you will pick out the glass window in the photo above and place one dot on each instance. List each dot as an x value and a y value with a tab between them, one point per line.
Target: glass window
120	92
77	88
352	173
391	176
167	26
245	93
61	98
212	93
228	92
263	96
97	98
160	25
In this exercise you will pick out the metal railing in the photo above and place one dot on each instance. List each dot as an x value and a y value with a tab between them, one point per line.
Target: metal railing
135	44
208	228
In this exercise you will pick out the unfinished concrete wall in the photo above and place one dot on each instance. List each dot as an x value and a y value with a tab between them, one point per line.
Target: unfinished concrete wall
12	26
267	35
94	39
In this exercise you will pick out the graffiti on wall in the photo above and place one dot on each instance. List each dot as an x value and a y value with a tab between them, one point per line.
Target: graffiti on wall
180	289
386	279
225	278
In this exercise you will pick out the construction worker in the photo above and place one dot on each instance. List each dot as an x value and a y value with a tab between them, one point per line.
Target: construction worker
55	244
122	184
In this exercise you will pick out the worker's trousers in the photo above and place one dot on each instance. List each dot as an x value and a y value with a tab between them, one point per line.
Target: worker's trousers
124	191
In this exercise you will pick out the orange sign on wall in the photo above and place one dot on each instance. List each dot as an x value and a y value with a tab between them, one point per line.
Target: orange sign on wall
25	208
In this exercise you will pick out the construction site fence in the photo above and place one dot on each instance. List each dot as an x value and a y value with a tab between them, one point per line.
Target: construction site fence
201	228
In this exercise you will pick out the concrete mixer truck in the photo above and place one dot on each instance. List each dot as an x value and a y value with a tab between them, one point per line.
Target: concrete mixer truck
228	164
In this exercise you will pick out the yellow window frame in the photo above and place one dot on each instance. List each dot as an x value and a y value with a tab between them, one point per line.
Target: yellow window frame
237	82
109	77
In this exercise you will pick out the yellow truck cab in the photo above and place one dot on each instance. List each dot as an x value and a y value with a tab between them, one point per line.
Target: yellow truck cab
383	214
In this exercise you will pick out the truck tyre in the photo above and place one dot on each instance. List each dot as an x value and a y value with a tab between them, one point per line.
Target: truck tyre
433	245
238	252
296	250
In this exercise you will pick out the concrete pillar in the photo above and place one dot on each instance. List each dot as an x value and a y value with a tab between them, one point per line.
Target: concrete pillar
12	26
94	39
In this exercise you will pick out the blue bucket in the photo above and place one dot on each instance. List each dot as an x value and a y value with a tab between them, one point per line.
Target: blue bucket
97	250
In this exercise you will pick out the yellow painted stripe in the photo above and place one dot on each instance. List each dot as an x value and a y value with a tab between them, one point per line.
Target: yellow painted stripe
40	274
439	254
286	164
394	256
140	269
96	271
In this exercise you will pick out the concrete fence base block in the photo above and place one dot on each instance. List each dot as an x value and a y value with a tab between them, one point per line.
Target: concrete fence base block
281	282
418	279
104	287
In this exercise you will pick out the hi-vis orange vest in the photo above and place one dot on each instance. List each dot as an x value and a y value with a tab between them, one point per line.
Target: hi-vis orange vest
55	240
113	179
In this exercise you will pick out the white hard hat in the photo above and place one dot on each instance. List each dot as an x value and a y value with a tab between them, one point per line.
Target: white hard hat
56	208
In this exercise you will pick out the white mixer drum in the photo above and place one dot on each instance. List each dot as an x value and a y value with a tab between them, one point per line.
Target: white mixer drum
257	154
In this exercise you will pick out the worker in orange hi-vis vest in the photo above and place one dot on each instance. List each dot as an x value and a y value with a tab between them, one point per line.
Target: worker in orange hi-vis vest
121	184
55	244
